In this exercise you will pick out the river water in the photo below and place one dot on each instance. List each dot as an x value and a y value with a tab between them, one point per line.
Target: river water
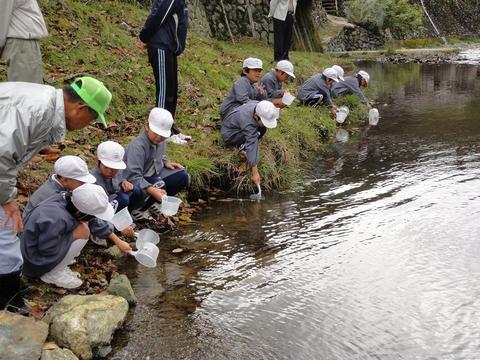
375	256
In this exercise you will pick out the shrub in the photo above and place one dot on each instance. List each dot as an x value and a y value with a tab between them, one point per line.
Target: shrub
399	16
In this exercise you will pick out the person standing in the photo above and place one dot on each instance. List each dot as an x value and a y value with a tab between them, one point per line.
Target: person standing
21	28
283	12
165	34
31	117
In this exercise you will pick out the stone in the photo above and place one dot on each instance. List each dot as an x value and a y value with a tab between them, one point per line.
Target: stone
115	252
21	338
58	354
120	286
85	324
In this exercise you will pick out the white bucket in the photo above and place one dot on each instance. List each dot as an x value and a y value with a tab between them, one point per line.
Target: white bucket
147	255
373	117
122	219
288	98
145	236
342	113
342	135
170	205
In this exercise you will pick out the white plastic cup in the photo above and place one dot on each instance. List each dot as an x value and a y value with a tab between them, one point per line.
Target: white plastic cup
288	98
373	116
170	205
147	255
122	219
342	113
342	135
145	236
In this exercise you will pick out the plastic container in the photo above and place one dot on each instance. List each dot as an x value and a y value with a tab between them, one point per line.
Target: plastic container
170	205
288	98
145	236
147	255
342	113
373	117
342	135
122	219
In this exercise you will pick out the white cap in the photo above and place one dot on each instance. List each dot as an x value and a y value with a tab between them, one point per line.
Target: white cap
268	113
160	121
73	167
92	199
286	66
364	75
339	71
252	63
110	154
330	73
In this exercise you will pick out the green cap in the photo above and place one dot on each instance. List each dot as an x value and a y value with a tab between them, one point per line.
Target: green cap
94	94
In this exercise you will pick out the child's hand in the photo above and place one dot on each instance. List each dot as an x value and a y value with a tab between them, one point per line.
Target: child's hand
129	232
124	246
158	194
172	165
127	186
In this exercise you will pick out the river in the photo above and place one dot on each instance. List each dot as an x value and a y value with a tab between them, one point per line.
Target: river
375	256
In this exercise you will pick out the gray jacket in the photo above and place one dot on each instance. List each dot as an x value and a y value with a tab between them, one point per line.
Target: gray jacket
32	116
315	85
273	87
112	186
240	128
21	19
241	92
349	86
141	156
47	236
46	190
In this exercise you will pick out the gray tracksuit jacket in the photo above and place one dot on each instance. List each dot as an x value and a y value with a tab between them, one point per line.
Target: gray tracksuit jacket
112	186
32	116
273	87
47	236
349	86
241	92
240	128
315	85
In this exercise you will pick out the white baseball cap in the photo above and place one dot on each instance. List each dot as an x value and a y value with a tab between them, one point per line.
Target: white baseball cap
110	154
92	199
364	75
160	121
252	63
339	71
286	66
330	73
73	167
268	113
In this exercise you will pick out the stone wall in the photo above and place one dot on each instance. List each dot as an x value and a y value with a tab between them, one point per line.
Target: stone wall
355	38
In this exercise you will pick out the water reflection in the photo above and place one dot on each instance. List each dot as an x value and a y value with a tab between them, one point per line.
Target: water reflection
377	257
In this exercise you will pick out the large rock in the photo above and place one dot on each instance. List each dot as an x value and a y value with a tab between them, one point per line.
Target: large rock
120	286
21	337
85	324
58	354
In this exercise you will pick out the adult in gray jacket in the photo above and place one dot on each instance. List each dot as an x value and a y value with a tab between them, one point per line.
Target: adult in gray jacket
283	12
246	125
21	28
352	85
246	88
31	117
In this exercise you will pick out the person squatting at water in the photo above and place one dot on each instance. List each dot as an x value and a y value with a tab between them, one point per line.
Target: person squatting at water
273	82
316	90
246	88
352	85
56	230
148	166
245	126
110	175
31	117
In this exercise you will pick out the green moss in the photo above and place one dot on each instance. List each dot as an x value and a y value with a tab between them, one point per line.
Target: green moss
98	38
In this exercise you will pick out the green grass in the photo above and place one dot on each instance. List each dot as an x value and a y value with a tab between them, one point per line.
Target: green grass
98	38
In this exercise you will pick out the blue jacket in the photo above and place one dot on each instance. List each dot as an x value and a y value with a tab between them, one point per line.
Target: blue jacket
166	26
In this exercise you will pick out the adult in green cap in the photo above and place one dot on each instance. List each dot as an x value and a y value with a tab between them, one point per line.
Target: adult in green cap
33	116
